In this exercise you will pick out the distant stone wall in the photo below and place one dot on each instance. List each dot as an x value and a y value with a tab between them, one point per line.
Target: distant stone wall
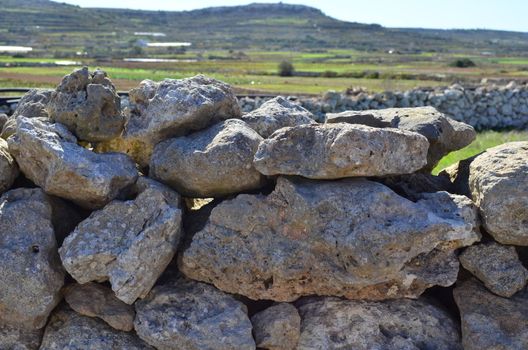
486	106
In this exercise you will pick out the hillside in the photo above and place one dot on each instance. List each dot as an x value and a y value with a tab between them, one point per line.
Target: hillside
60	28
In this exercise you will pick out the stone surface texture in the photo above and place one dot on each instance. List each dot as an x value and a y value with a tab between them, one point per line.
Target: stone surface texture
277	327
275	114
351	238
32	105
12	338
8	167
333	151
184	314
88	105
31	275
95	300
48	155
215	162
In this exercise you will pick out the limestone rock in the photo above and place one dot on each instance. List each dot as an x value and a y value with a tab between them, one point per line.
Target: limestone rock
127	242
184	314
88	105
491	322
69	330
277	328
443	133
95	300
498	181
8	167
351	238
214	162
412	186
275	114
49	155
31	274
172	108
32	105
12	338
3	120
497	266
333	151
329	323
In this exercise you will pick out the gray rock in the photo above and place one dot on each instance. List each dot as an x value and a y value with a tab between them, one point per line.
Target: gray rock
69	330
412	186
8	167
275	114
211	163
32	105
351	238
3	119
127	242
497	266
19	339
88	104
443	133
49	155
172	108
95	300
184	314
333	151
277	327
498	181
491	322
329	323
31	274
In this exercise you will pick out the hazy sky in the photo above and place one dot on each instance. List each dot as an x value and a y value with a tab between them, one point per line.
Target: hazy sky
490	14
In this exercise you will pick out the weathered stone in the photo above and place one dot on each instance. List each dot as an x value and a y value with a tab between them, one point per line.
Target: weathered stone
12	338
498	181
351	238
412	186
211	163
275	114
491	322
329	323
95	300
443	133
277	328
88	105
184	314
8	167
49	155
333	151
497	266
69	330
31	274
127	242
172	108
3	119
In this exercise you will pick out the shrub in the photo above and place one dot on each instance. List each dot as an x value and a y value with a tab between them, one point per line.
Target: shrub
462	63
286	69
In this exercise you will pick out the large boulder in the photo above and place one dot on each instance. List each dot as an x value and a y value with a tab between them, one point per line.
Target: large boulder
69	330
214	162
275	114
8	167
277	327
172	108
329	323
443	133
498	182
13	338
48	155
491	322
31	275
497	266
353	238
96	300
333	151
32	105
87	103
129	243
184	314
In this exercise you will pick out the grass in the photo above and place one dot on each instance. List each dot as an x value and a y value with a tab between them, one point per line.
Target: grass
483	141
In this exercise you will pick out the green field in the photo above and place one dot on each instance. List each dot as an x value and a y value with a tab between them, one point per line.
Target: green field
483	141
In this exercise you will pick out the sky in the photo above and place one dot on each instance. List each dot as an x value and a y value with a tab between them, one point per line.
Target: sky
444	14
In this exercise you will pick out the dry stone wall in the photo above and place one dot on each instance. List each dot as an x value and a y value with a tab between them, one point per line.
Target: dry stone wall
187	224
